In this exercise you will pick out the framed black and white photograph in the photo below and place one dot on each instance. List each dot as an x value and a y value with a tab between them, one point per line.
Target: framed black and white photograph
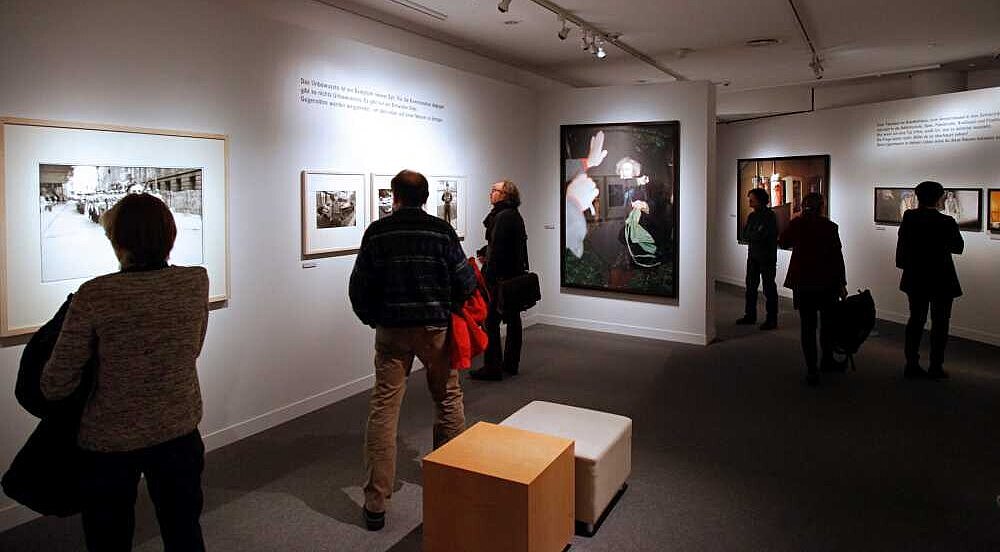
72	199
334	212
380	193
619	207
58	178
786	180
447	200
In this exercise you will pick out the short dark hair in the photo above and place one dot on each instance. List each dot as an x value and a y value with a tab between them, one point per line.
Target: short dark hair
410	187
813	202
761	195
142	228
929	192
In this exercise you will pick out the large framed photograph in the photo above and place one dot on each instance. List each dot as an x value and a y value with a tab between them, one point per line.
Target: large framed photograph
786	180
994	210
965	205
57	180
334	209
448	200
619	192
380	196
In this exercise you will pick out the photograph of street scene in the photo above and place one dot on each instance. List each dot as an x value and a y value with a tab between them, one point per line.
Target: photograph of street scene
336	208
72	199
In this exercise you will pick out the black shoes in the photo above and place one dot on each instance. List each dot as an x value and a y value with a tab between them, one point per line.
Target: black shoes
936	373
486	374
769	325
746	321
374	521
914	371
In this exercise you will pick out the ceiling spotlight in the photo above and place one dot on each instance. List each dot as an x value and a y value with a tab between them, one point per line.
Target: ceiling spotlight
601	54
817	66
503	6
564	32
585	40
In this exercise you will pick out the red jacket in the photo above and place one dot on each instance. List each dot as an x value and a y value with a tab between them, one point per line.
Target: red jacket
467	337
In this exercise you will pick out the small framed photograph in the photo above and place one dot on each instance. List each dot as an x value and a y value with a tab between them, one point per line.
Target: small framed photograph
994	211
334	209
447	201
380	193
965	205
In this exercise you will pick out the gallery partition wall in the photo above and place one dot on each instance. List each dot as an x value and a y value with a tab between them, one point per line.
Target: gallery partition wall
877	154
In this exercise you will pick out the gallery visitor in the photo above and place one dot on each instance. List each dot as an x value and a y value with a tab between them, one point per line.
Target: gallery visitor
761	233
927	240
145	325
506	256
409	276
817	278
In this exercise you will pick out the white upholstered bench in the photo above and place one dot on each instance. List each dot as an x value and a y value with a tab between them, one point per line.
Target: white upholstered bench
603	451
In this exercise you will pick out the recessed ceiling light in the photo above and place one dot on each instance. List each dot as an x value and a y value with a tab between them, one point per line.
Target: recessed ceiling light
762	42
512	22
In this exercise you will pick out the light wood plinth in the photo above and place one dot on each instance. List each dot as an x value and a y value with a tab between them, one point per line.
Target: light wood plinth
498	488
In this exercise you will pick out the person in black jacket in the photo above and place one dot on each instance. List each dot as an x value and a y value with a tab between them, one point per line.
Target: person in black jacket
927	240
761	233
506	256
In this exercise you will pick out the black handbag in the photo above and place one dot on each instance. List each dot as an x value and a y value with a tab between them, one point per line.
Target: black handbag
45	474
519	293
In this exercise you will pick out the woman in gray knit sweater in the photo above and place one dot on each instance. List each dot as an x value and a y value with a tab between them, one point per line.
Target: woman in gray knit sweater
145	325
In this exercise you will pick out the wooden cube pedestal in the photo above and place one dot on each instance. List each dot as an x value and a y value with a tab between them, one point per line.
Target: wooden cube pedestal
498	488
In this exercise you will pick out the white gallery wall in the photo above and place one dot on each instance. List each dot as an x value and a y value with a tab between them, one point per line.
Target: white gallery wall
959	146
689	318
287	342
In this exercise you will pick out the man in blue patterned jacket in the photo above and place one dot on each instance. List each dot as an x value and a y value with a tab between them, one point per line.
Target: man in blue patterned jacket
410	275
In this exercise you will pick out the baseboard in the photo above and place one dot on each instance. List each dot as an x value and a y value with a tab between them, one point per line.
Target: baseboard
15	514
954	330
623	329
222	437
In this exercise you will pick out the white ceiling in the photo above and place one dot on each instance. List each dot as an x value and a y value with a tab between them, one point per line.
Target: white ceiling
704	39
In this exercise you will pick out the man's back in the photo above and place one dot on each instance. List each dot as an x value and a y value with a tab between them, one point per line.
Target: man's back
927	240
410	271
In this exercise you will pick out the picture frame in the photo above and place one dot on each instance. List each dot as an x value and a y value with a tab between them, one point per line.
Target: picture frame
787	179
380	196
993	211
334	212
453	210
965	205
633	246
85	168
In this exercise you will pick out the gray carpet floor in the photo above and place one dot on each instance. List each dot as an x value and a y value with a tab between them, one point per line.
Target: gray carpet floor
730	451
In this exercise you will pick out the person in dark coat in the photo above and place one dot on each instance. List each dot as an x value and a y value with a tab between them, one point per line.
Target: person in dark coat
761	233
927	240
817	278
506	256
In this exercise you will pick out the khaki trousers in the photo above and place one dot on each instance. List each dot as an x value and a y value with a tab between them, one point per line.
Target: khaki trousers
395	349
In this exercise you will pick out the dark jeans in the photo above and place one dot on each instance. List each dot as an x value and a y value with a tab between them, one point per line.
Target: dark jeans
940	308
509	357
814	307
756	272
173	477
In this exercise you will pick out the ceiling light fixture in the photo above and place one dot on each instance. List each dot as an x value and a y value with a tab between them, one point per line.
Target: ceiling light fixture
585	40
503	6
564	32
601	54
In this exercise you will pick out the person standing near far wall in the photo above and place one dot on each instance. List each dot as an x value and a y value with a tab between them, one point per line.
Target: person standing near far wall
817	278
506	256
761	232
927	240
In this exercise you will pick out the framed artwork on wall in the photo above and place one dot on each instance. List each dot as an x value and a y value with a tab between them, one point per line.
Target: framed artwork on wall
619	207
334	212
965	205
786	180
994	211
58	178
447	200
380	196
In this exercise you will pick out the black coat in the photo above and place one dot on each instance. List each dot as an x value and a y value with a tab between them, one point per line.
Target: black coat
927	240
507	243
